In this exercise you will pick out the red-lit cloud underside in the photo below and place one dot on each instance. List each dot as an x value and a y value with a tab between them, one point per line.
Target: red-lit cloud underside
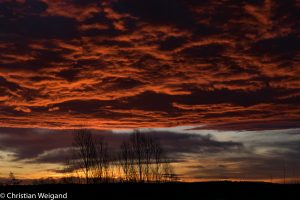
228	65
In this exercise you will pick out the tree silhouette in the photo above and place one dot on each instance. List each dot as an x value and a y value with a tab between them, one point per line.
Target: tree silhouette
102	162
84	152
142	159
90	156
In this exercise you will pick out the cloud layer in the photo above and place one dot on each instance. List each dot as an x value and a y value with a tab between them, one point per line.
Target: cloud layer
151	63
54	146
260	155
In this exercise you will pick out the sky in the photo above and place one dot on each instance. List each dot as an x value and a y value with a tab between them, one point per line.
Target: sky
218	82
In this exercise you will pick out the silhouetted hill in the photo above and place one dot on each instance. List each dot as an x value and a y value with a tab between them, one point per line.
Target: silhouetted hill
205	190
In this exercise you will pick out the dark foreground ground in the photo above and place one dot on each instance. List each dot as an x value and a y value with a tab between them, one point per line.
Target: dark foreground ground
185	191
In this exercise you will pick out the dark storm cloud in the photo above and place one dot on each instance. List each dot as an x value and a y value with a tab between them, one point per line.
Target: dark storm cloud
53	146
131	63
29	143
175	143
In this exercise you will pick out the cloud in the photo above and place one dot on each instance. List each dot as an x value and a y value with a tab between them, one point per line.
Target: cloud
256	155
116	64
23	109
257	125
49	146
267	156
228	66
250	168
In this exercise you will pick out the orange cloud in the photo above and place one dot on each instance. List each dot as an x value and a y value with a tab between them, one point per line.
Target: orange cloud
115	64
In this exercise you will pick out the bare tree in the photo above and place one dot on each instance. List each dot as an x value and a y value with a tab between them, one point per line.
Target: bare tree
102	162
84	152
127	163
142	159
90	156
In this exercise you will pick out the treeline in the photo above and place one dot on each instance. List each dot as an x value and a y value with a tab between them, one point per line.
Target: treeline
140	159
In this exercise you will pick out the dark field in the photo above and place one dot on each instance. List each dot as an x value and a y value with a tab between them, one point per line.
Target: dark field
207	190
